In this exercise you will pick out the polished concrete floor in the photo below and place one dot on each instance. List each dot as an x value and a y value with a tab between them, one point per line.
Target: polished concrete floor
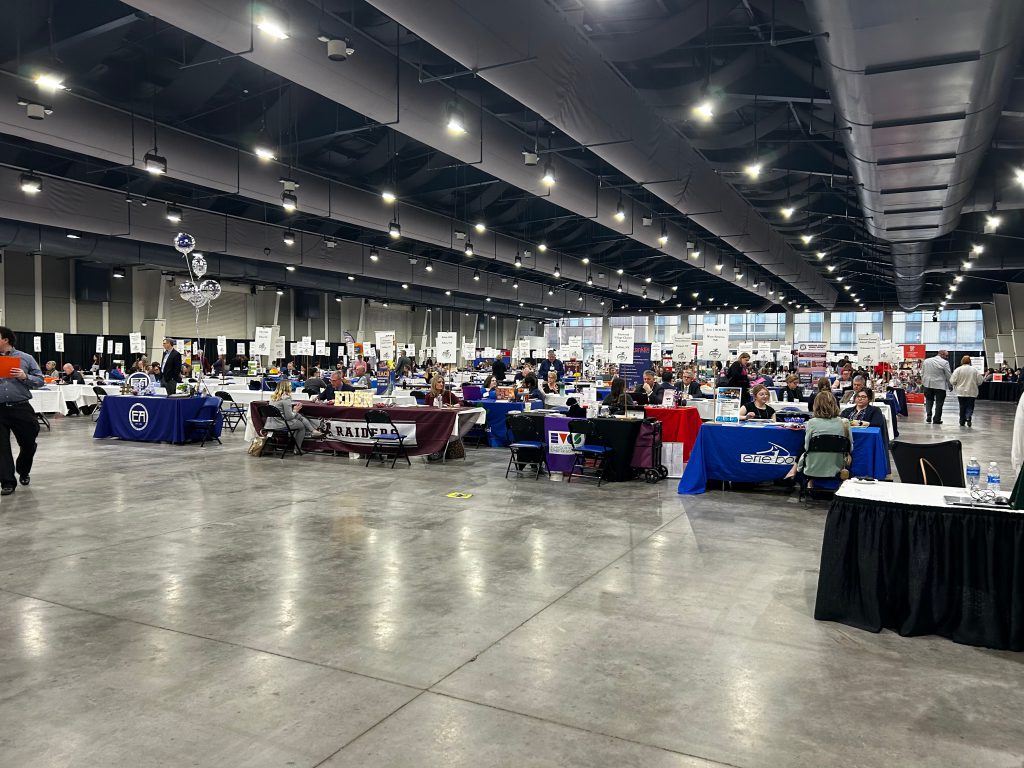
178	606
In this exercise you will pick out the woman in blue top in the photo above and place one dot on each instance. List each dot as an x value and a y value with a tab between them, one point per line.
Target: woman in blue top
490	389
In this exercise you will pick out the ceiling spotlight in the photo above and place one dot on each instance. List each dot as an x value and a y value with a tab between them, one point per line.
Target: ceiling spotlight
806	239
619	289
848	288
966	264
469	247
755	285
72	235
753	170
280	291
977	250
480	227
154	163
831	267
853	295
173	213
580	297
958	278
48	81
542	248
647	279
274	26
557	272
30	183
518	260
289	201
620	212
704	111
771	291
644	294
455	120
739	274
388	196
394	231
663	237
119	272
602	302
338	297
718	266
821	255
488	298
590	280
351	277
384	304
265	154
992	223
288	237
619	271
429	266
447	293
405	286
788	211
1019	174
374	254
515	282
548	179
839	279
551	291
476	275
695	294
290	267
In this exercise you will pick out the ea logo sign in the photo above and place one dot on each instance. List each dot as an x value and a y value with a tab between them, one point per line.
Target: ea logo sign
138	417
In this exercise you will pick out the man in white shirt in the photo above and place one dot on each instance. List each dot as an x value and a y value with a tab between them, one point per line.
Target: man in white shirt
935	375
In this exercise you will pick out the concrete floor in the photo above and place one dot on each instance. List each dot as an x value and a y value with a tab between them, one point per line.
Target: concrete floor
178	606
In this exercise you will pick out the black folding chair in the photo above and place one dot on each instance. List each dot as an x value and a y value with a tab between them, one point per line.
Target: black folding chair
929	463
205	423
527	445
589	450
278	438
833	444
41	418
386	438
100	393
234	413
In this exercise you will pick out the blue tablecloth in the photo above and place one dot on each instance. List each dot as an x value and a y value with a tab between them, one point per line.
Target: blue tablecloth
752	453
498	436
152	419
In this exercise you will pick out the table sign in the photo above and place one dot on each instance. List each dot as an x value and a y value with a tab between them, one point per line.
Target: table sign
279	343
868	349
99	345
358	399
37	343
764	352
682	349
727	405
341	351
469	350
622	345
715	345
321	347
978	363
385	345
447	347
135	343
110	346
240	348
1000	358
118	347
262	343
58	342
222	345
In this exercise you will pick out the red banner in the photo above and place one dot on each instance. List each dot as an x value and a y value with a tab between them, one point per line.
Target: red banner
913	351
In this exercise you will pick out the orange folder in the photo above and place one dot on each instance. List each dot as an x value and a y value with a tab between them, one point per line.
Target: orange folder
7	363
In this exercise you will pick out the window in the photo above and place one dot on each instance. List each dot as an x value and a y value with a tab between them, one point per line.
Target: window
847	325
665	327
953	328
809	326
556	335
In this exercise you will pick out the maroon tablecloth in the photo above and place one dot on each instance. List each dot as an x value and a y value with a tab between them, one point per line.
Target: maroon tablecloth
427	430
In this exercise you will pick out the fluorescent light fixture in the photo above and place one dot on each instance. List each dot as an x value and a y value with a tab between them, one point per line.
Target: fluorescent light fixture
154	163
469	247
374	254
455	120
788	211
480	227
173	213
388	196
265	154
753	170
48	81
289	201
290	267
548	179
806	238
394	231
288	237
275	27
30	183
620	212
704	111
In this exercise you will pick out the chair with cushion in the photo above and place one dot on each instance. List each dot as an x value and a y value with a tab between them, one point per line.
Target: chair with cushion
205	422
278	438
929	463
527	445
387	440
589	449
234	413
100	393
837	445
419	395
471	392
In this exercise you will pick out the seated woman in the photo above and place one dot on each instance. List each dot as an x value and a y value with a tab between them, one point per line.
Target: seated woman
824	392
864	414
825	421
793	392
551	386
115	373
758	407
530	391
438	395
296	423
617	400
52	371
490	389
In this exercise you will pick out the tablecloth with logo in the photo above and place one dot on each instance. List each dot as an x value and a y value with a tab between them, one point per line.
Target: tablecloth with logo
755	453
152	419
426	430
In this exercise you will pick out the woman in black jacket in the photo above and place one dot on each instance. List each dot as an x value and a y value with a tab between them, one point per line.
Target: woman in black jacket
864	414
738	377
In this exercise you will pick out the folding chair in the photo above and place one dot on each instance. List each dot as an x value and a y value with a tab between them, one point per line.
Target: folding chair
100	393
41	418
590	448
234	413
385	441
929	463
835	444
527	443
278	438
205	422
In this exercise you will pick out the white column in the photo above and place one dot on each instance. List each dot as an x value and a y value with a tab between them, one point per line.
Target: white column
105	317
72	304
37	267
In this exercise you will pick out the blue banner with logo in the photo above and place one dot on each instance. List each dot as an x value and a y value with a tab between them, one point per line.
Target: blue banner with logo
633	372
153	419
753	453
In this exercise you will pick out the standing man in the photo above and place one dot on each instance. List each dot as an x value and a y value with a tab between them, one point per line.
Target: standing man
170	367
935	383
16	414
551	364
498	370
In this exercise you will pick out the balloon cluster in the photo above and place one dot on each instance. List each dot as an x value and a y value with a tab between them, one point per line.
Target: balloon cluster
196	293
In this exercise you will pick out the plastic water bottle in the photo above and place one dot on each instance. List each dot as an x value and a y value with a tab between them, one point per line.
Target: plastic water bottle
993	476
973	473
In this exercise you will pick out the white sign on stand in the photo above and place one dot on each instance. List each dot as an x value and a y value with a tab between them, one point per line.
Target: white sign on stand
279	343
978	364
58	342
240	348
222	345
262	343
622	345
110	346
118	347
321	347
135	343
468	350
682	349
448	347
715	345
99	345
868	349
37	343
385	345
1000	358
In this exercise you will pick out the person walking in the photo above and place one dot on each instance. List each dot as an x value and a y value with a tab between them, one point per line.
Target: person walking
935	383
965	381
16	414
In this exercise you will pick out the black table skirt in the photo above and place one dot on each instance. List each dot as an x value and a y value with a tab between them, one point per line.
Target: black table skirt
957	573
1002	391
620	435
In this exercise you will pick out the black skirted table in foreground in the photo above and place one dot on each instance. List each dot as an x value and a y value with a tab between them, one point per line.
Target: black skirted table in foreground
900	556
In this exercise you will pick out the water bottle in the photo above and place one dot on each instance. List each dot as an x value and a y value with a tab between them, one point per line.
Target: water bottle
973	473
993	476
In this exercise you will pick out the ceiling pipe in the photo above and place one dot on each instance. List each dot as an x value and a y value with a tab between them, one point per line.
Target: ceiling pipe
920	85
365	83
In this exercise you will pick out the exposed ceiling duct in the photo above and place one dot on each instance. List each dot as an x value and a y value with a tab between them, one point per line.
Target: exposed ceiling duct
366	84
562	77
920	84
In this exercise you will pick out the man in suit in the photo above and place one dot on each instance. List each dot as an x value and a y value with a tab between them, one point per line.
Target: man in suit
170	367
935	375
651	391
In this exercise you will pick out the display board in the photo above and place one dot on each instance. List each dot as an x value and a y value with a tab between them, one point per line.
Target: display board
811	361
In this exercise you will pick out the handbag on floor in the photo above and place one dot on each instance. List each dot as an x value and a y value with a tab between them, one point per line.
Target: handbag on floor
256	445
